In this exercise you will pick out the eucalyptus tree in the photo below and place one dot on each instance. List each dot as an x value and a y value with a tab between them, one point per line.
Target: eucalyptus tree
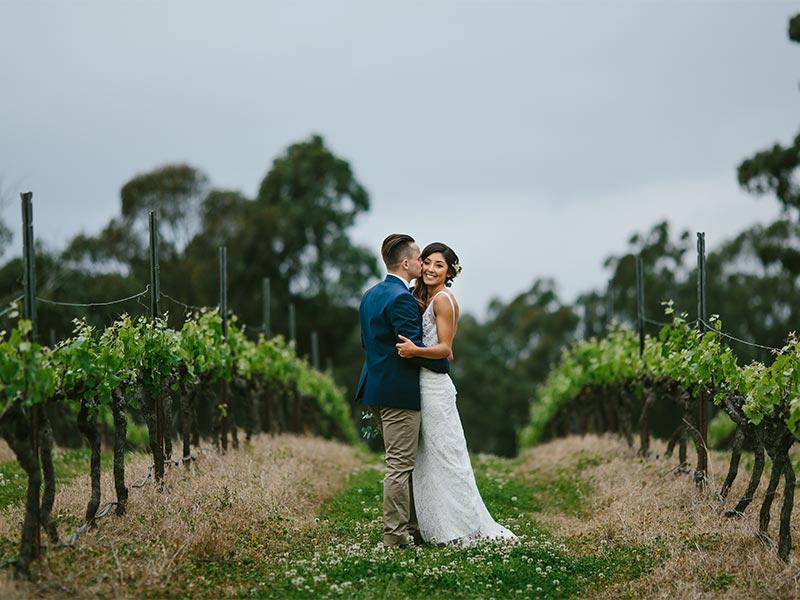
316	199
774	170
667	263
175	192
311	200
754	283
6	236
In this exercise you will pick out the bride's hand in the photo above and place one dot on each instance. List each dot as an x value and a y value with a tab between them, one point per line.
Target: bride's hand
406	348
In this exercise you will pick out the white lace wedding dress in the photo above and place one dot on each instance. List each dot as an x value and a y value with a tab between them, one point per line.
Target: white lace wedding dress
448	504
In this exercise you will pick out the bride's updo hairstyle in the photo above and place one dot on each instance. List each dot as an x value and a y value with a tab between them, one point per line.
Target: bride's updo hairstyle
453	269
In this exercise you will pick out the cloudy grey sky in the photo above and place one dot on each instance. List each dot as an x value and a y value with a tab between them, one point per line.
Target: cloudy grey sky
533	137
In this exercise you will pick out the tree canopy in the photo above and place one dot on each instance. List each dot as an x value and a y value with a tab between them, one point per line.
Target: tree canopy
295	232
774	170
315	199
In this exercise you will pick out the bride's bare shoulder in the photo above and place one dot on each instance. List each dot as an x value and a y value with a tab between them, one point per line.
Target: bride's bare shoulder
441	301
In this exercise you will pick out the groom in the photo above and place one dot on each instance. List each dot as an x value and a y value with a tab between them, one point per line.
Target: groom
389	385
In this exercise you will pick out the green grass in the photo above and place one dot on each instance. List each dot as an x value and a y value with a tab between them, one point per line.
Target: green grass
705	541
341	556
563	488
719	581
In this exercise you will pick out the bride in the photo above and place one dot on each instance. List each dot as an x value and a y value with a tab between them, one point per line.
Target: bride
448	504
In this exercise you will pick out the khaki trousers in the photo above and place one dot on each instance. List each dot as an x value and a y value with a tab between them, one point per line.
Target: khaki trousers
400	430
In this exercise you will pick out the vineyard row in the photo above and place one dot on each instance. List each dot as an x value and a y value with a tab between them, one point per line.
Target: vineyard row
142	364
607	384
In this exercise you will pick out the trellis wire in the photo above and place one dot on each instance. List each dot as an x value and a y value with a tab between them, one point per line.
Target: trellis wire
10	308
187	307
741	341
93	304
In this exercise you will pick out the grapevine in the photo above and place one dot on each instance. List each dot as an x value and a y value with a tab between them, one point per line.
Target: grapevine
598	381
140	363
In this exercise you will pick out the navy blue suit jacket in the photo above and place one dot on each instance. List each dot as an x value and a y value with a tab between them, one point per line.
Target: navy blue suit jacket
387	310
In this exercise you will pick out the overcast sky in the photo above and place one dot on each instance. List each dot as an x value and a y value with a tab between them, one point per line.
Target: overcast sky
533	137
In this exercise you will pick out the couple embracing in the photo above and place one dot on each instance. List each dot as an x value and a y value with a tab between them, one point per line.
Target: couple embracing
429	490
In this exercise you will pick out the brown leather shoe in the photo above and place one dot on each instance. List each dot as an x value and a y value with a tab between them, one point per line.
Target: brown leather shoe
396	541
399	546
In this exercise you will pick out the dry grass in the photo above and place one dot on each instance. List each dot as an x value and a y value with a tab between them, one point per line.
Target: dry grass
264	499
6	453
638	501
205	512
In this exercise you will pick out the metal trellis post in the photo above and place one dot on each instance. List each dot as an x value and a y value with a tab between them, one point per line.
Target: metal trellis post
315	350
29	313
640	302
155	275
29	258
292	325
223	288
223	309
155	314
702	414
267	326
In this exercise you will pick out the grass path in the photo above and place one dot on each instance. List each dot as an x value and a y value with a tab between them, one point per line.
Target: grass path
342	554
296	517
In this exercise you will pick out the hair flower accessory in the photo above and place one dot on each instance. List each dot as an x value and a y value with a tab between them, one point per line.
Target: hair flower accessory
453	268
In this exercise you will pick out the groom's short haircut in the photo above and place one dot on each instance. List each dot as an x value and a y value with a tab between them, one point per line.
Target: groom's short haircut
395	248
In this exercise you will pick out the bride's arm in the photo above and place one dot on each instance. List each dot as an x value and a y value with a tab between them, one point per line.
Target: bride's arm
404	314
445	326
407	349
